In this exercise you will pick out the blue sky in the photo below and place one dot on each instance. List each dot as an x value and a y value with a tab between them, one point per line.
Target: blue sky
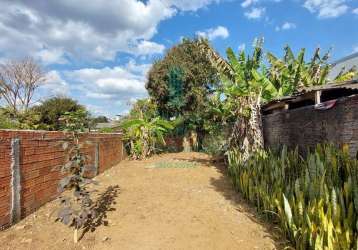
99	52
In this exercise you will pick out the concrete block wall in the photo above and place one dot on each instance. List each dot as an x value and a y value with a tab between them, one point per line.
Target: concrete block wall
40	157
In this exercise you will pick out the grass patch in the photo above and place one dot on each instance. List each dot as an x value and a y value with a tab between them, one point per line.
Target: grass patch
175	164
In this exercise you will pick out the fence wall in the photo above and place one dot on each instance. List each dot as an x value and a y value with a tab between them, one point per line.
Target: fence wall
40	155
306	126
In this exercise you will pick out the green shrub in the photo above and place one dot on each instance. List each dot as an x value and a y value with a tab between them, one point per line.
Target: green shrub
6	123
143	136
175	164
21	120
107	130
315	198
214	144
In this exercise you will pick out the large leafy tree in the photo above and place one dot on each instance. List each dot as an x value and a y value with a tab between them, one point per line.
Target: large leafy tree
181	81
51	110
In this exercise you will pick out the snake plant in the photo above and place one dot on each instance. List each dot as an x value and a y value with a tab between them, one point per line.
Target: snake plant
314	198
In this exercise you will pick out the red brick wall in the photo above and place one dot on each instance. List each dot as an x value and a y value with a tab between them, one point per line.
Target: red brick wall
174	143
41	156
305	127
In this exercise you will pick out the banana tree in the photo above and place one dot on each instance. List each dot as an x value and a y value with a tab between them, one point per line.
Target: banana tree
244	85
143	135
292	74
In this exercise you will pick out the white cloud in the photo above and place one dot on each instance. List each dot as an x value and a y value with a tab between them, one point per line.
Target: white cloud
117	83
191	5
109	90
286	26
213	33
355	49
255	13
97	110
247	3
46	56
355	11
54	85
148	48
84	30
326	8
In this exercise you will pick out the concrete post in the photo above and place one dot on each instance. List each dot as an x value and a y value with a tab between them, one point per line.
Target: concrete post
15	211
96	158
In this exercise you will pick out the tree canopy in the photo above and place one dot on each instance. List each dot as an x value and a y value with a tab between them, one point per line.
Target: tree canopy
52	109
182	80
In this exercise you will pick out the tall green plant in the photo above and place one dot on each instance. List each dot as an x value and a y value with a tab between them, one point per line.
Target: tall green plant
315	198
75	121
244	86
76	207
144	135
292	73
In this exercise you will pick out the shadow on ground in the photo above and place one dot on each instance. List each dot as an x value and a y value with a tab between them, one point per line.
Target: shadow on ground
102	206
224	186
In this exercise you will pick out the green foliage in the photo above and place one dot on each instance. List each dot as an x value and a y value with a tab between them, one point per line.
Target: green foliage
175	164
75	121
291	74
314	198
47	116
243	76
6	123
106	130
21	120
52	109
76	209
100	119
347	75
214	144
144	108
144	135
175	88
184	67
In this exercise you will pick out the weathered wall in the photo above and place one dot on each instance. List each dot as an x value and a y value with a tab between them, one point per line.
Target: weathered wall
307	126
174	144
41	156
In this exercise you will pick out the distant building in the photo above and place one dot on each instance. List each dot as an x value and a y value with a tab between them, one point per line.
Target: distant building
346	63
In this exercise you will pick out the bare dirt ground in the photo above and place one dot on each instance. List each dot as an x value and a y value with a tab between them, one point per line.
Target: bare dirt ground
154	208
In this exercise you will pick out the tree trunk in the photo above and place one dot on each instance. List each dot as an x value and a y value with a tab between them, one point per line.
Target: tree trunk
186	144
75	236
247	133
194	140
